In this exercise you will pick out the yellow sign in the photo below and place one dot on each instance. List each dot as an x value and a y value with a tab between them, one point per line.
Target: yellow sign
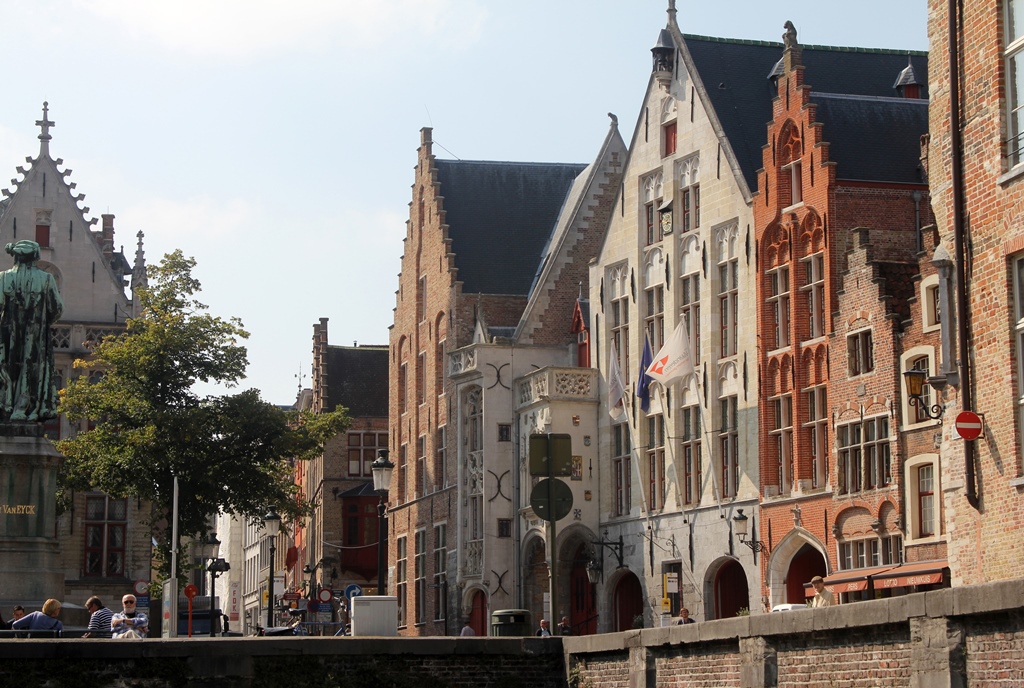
266	596
666	604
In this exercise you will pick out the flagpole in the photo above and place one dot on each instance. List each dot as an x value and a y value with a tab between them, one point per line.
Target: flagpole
707	434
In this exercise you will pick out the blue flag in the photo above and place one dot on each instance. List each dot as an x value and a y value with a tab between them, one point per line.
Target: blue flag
643	383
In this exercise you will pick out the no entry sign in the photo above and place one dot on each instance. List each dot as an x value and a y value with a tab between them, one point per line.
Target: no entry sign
968	425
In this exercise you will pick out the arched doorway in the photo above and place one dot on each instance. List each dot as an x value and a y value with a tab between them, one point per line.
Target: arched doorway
582	606
730	589
805	565
535	578
628	602
478	614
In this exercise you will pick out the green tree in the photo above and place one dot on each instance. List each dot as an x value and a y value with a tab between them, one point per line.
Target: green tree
231	453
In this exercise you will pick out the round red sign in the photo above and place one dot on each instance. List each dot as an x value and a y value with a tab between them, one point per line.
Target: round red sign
968	425
191	591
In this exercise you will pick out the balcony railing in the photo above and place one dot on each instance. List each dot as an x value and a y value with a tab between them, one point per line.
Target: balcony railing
557	384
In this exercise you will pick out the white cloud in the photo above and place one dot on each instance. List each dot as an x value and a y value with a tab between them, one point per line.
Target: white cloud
247	29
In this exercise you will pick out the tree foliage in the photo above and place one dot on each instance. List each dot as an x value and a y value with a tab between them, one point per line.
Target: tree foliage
231	453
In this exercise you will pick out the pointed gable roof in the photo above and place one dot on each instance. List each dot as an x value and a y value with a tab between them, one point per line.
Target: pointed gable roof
500	216
736	77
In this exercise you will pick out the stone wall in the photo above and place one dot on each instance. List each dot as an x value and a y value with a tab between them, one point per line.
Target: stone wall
954	637
969	636
272	662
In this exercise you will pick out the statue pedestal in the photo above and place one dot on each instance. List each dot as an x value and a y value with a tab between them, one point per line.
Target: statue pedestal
29	550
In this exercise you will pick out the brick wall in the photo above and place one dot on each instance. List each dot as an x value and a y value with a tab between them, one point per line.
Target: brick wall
983	543
960	636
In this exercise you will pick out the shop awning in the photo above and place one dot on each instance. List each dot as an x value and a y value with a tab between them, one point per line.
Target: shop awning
850	580
917	573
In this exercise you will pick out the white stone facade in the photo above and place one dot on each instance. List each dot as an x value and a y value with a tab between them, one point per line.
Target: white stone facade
683	227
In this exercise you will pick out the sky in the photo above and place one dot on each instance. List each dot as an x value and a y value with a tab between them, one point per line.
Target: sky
275	142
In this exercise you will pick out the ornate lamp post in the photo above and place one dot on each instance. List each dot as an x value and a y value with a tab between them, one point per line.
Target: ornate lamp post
915	390
211	550
273	524
382	469
741	524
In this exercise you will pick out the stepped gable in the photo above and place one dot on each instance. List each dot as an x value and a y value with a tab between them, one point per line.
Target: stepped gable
874	139
738	78
900	280
500	216
357	378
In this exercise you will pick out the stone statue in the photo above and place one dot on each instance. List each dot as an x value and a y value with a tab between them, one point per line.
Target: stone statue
789	38
29	305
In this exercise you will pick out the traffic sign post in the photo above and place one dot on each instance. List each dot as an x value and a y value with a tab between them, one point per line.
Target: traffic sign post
190	592
969	425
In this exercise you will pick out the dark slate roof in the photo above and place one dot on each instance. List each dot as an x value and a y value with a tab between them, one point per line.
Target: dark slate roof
874	139
735	75
357	378
500	216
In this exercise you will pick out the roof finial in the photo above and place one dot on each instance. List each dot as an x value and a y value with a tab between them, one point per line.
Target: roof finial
140	278
671	12
44	124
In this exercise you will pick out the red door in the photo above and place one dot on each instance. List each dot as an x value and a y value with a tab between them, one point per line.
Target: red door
583	613
629	602
731	593
807	564
478	615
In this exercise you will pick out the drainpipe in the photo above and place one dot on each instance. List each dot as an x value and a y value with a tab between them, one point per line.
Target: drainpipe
959	240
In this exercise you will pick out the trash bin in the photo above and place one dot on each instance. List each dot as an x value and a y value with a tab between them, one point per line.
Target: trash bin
509	622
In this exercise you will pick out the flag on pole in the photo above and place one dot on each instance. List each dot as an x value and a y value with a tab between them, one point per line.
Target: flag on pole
616	388
673	361
643	382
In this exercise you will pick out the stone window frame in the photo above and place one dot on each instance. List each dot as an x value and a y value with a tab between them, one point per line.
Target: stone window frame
1013	59
930	316
911	478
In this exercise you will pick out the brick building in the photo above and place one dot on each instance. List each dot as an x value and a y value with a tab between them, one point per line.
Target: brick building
337	546
104	542
494	263
839	208
976	170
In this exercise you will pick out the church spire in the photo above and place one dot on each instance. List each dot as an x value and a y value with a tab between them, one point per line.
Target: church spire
140	278
44	125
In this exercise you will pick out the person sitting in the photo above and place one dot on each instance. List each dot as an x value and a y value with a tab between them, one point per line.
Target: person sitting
684	617
545	629
129	623
99	619
564	627
45	620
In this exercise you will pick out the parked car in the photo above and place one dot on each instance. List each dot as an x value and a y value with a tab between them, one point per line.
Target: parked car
788	607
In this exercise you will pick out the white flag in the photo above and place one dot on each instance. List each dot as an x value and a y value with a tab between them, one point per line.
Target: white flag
673	362
616	388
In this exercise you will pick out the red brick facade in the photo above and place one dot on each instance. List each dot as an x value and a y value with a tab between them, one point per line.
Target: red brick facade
831	255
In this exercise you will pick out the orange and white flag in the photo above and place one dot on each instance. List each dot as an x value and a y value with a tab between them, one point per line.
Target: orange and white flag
673	361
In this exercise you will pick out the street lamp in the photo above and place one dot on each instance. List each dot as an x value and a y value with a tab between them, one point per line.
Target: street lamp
915	378
740	521
273	524
382	469
595	568
216	567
